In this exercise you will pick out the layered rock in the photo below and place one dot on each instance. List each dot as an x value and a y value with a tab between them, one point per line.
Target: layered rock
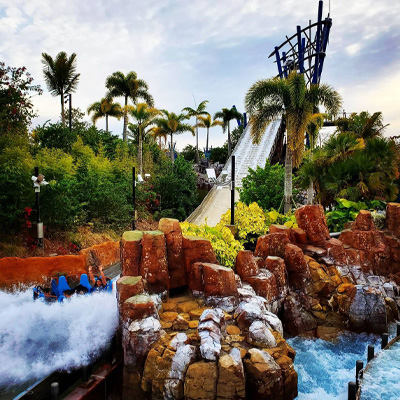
175	257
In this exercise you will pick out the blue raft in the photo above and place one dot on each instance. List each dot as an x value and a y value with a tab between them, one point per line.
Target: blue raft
66	286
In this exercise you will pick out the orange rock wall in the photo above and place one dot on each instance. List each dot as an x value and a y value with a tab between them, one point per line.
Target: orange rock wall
16	273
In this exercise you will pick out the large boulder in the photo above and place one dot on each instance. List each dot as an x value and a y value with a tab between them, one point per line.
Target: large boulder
264	376
128	286
153	265
231	380
219	281
176	262
201	381
311	219
272	244
197	249
246	264
131	252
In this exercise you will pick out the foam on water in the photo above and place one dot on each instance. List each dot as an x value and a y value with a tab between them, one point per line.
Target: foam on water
382	379
37	338
324	369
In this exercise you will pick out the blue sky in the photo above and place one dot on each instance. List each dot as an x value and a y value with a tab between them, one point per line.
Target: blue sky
212	49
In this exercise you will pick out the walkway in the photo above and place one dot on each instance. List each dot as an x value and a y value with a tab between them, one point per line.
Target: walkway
248	155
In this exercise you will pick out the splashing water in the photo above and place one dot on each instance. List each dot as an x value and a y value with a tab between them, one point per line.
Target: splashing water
381	380
324	368
37	338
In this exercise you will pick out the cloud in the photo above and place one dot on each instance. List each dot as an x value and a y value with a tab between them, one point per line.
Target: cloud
214	49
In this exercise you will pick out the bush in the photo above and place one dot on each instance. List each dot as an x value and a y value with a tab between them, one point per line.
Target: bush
249	220
346	211
219	154
189	153
222	241
264	186
177	188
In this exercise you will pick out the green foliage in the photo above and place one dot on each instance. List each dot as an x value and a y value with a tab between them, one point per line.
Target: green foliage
264	186
189	153
347	211
177	188
222	241
16	108
359	166
219	154
16	187
54	136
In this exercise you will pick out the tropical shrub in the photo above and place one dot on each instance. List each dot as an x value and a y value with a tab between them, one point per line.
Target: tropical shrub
189	153
222	241
264	186
177	189
219	154
250	221
346	211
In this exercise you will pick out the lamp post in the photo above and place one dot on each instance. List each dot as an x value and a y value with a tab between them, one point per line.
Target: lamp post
38	180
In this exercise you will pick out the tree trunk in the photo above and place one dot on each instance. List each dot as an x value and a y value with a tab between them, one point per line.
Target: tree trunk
62	109
140	151
197	142
106	123
172	150
229	141
310	194
287	197
125	120
208	129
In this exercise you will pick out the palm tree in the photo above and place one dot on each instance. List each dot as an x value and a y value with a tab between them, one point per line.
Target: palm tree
105	108
60	76
197	112
144	116
269	99
206	122
171	124
128	86
226	115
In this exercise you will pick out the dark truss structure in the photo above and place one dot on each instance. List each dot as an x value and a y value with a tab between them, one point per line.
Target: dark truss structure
305	51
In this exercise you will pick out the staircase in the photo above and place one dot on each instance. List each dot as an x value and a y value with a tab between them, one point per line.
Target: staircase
247	155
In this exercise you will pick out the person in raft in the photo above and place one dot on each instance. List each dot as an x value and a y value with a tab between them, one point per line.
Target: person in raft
99	283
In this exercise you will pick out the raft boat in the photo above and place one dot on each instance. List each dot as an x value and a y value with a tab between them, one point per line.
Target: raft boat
66	286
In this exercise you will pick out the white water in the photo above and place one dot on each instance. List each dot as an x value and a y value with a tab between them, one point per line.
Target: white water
382	380
324	369
37	338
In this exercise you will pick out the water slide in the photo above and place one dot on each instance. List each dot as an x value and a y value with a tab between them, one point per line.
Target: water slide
248	155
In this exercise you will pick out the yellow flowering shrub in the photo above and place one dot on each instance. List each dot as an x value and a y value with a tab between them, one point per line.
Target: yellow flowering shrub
250	220
222	241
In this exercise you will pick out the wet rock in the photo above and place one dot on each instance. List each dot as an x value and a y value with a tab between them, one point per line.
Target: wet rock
197	249
364	221
276	265
296	267
264	285
393	218
153	265
201	381
299	236
272	244
138	307
328	333
246	264
218	280
311	219
367	311
289	376
174	241
260	335
128	286
209	330
174	385
195	278
231	380
131	252
264	376
137	341
297	320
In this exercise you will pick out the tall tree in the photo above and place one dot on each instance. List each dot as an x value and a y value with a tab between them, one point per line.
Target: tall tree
269	99
60	76
226	115
206	122
171	124
144	116
197	112
105	108
128	86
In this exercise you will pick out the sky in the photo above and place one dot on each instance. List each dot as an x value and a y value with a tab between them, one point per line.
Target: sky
203	50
